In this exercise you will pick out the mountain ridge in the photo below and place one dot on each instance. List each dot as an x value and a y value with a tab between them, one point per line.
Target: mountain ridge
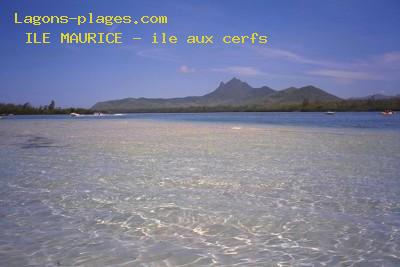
375	97
232	93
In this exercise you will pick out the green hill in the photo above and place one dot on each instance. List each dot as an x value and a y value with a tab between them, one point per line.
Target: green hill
234	93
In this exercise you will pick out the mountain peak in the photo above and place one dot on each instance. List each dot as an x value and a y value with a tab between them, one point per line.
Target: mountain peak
235	90
312	87
235	81
231	89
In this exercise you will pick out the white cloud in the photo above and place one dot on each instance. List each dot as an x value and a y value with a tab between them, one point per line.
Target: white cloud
240	71
288	56
185	69
345	74
391	57
381	67
158	54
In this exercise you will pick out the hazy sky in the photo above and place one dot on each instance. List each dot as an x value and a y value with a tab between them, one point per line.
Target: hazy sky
348	48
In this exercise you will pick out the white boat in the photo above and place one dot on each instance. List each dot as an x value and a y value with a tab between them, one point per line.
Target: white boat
387	112
330	113
74	114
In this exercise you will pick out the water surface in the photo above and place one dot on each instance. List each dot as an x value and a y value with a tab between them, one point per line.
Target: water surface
144	190
369	120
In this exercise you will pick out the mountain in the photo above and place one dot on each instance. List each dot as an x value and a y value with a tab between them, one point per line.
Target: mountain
376	97
295	95
234	93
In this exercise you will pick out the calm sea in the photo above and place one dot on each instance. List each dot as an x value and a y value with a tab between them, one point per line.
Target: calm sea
220	189
371	120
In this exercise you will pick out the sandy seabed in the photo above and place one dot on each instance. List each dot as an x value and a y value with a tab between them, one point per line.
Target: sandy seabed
152	193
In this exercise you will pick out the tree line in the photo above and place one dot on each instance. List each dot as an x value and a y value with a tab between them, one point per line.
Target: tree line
305	106
28	109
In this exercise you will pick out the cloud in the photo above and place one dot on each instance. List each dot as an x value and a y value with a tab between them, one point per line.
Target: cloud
345	74
381	67
288	56
372	61
158	54
240	71
185	69
391	57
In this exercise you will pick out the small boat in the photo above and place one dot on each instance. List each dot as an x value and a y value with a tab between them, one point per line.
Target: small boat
74	114
330	113
387	112
98	114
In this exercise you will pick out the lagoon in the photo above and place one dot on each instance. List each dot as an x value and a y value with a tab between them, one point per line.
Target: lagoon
200	190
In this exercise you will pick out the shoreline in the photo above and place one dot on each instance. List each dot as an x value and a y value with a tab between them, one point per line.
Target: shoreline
234	126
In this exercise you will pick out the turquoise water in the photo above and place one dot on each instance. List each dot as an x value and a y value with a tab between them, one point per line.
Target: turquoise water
276	189
372	120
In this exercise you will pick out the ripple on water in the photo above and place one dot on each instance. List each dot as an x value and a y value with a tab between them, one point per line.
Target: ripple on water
125	193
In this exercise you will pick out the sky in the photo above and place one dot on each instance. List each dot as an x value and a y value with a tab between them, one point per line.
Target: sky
348	48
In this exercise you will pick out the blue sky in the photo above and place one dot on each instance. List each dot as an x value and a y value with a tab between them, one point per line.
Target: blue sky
348	48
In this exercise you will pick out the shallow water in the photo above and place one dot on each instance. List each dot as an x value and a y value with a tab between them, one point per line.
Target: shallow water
126	192
358	120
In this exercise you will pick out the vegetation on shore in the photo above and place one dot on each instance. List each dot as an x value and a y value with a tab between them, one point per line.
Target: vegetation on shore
28	109
305	106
